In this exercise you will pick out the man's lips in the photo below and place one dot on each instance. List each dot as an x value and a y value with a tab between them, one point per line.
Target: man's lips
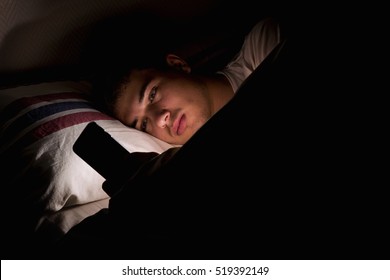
180	125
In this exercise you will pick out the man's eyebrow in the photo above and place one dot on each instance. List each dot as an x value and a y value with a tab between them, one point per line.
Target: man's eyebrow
143	89
134	123
141	98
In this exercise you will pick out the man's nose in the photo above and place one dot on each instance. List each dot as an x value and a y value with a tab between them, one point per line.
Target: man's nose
162	118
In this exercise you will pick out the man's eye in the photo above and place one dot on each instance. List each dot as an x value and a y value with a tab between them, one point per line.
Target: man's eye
152	94
144	124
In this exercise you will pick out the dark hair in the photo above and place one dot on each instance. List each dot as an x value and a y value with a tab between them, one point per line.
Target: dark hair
112	57
107	84
106	88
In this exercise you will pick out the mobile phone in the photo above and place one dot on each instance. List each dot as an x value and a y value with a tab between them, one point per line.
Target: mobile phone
108	157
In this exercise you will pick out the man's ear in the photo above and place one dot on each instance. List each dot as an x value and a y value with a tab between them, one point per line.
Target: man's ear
178	63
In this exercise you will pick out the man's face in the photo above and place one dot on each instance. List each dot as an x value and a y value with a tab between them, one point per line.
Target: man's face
171	105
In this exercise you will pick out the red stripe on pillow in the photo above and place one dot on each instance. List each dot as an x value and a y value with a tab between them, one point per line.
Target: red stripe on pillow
16	106
55	125
66	121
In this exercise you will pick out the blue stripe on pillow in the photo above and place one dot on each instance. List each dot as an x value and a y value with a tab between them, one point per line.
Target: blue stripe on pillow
52	126
39	113
22	103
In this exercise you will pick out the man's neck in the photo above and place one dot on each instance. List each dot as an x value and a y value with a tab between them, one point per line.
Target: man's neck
221	92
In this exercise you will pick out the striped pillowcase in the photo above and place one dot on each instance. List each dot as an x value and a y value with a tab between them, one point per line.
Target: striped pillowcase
38	127
29	119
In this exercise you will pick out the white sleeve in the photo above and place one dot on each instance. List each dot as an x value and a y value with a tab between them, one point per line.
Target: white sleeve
258	43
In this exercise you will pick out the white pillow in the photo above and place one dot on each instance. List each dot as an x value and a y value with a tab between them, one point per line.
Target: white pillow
38	127
52	226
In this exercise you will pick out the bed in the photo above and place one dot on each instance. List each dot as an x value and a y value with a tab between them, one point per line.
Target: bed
47	54
281	181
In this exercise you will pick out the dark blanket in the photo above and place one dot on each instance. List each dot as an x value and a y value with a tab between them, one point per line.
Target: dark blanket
268	177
